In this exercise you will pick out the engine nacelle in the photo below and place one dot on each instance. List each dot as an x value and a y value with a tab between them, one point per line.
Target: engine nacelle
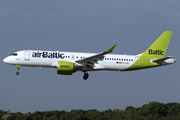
169	61
65	68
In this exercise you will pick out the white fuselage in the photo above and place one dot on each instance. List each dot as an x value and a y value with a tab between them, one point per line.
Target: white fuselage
36	58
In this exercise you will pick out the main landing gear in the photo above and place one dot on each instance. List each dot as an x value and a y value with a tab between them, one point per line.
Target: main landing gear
17	66
86	75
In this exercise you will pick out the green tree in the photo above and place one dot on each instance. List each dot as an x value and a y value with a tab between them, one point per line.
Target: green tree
131	110
93	114
175	110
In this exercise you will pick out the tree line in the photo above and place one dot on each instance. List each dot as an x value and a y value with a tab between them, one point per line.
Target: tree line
151	111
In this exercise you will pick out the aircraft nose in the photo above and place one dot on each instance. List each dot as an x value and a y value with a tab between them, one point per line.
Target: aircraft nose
7	60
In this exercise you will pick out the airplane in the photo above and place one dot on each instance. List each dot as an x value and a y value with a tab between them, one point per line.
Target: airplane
68	63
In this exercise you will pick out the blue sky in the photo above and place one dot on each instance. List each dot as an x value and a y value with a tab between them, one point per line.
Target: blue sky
87	26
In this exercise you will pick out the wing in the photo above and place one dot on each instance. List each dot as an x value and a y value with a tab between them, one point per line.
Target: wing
90	61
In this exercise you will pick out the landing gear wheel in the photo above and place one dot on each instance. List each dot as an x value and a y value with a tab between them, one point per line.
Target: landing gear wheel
18	66
86	75
17	73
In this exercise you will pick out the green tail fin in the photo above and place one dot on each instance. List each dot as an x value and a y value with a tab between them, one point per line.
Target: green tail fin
156	51
159	47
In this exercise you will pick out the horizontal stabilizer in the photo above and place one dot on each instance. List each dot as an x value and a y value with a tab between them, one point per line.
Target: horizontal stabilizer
162	59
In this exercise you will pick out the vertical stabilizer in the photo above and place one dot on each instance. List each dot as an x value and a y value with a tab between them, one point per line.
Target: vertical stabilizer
156	51
159	47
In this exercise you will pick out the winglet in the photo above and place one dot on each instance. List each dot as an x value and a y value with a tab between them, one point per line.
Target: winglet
111	49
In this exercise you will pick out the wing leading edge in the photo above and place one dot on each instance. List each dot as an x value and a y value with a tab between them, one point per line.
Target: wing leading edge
90	61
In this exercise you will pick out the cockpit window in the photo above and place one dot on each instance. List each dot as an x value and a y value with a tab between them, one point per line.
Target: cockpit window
13	54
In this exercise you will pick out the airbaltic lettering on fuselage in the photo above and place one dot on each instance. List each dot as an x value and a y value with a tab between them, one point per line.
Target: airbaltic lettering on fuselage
65	66
48	55
156	52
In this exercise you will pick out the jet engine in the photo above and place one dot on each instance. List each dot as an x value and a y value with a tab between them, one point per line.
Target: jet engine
65	68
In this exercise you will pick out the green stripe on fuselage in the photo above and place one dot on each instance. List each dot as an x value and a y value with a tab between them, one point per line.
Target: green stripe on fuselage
142	63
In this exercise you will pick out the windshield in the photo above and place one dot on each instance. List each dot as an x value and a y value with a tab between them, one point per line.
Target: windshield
13	54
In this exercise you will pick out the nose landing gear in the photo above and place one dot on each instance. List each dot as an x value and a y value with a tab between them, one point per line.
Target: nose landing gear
17	73
17	66
86	75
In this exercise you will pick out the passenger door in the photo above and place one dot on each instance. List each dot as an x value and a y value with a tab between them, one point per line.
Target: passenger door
27	55
137	61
